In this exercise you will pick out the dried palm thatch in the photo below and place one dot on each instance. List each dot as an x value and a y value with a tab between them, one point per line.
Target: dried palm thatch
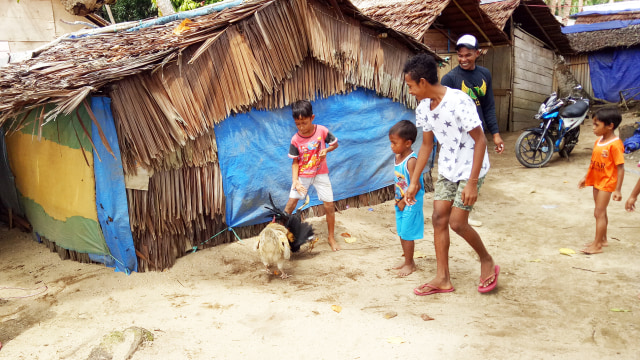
413	17
588	41
168	91
72	68
500	11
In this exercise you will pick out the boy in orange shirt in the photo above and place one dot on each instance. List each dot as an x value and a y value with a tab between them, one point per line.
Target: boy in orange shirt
605	173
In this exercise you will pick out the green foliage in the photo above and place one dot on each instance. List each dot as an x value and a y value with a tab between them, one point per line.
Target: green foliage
184	5
130	10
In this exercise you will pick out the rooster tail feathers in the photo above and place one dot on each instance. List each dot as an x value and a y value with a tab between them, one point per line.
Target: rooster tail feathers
275	210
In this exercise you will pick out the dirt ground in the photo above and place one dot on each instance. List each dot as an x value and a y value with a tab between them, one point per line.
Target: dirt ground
218	304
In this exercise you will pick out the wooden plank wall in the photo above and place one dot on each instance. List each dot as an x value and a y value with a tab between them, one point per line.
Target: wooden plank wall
28	24
498	61
579	67
533	78
438	41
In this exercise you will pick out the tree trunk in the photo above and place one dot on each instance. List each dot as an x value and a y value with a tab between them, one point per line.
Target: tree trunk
566	11
580	5
165	8
84	7
553	6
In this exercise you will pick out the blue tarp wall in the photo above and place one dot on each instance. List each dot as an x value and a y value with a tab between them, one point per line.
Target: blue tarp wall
253	148
614	70
111	195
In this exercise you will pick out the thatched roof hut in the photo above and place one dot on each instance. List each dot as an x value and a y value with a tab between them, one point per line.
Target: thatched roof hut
606	39
451	18
605	26
584	42
533	16
174	84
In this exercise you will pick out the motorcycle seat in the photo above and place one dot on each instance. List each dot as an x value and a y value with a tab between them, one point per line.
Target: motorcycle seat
575	110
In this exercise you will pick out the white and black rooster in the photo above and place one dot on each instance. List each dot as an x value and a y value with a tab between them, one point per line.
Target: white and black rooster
284	235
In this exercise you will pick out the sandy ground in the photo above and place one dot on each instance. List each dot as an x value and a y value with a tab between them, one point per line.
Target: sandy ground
217	303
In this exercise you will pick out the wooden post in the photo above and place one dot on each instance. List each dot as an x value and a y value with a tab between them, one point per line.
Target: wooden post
541	28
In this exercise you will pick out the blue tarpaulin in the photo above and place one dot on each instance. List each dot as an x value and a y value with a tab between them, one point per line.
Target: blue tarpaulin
606	25
111	195
253	148
614	70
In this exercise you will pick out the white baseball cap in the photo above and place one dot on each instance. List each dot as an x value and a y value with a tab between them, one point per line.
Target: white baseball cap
468	41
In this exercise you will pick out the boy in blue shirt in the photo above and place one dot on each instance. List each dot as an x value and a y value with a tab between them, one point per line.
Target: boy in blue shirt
409	218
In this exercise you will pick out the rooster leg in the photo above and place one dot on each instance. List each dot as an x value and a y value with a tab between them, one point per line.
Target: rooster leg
281	267
266	268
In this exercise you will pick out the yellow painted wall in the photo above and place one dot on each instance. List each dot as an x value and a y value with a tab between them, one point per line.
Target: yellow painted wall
53	175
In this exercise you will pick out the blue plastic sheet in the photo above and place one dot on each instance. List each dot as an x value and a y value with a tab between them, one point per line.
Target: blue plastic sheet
614	70
606	25
111	195
253	148
8	194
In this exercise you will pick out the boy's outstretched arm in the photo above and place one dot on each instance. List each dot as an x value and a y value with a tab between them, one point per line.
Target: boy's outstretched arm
294	177
423	157
469	194
617	194
630	205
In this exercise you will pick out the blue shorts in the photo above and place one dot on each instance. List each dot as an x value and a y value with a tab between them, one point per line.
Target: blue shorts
410	222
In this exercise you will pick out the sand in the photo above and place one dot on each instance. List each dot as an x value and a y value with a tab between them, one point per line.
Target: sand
219	304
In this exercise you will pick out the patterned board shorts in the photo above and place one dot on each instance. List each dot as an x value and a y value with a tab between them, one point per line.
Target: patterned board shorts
452	191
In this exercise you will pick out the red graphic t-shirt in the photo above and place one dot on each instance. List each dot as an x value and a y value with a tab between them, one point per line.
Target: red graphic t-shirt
307	151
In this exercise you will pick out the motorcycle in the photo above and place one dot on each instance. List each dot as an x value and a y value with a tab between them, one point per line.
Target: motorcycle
558	131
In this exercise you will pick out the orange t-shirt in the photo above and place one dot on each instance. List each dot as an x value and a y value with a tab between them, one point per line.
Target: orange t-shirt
603	171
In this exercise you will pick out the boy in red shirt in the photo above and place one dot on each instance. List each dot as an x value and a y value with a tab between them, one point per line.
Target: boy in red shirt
309	167
605	173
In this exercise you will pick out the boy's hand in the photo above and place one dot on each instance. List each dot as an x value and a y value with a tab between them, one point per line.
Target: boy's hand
617	196
323	154
410	194
299	188
630	205
497	139
469	194
401	204
581	183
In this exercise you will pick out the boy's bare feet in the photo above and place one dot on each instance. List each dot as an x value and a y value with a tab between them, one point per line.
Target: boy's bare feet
399	265
407	269
334	245
592	249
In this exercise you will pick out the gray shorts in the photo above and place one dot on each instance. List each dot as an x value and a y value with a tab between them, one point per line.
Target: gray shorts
452	191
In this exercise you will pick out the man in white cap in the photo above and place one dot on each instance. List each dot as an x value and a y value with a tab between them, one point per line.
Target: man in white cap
475	81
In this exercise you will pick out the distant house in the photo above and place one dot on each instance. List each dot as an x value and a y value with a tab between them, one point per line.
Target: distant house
27	25
606	39
520	39
536	40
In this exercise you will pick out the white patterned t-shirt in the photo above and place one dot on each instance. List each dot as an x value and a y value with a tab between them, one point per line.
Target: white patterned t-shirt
450	123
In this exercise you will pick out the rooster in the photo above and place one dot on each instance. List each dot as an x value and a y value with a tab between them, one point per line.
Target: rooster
300	232
273	246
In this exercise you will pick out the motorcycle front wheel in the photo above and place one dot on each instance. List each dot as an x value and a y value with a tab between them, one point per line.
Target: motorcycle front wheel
529	154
